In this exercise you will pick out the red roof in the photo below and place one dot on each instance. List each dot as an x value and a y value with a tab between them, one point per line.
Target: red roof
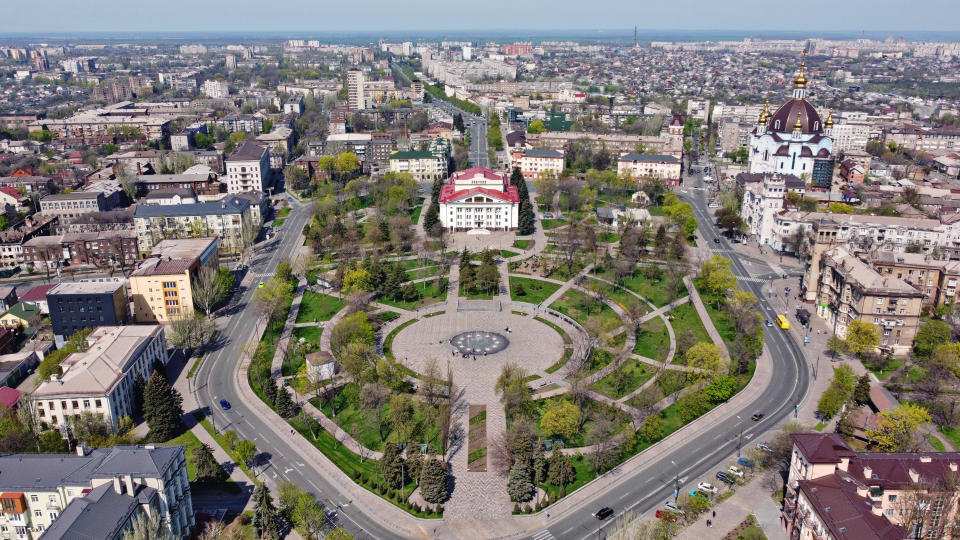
487	173
11	191
36	294
448	194
821	448
9	397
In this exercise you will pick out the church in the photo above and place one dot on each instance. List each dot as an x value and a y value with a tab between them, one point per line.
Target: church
794	140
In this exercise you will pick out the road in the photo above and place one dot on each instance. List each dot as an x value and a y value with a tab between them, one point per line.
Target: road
650	487
216	380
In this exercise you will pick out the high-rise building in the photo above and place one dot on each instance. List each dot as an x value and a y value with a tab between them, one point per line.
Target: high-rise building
356	97
216	89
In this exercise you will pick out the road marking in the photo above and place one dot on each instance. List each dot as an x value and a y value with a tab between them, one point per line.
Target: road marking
543	535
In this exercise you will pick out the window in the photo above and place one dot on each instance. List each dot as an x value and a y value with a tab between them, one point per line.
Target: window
38	513
86	403
890	511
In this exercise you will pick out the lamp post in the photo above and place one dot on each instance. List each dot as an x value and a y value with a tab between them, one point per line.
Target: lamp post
740	436
676	480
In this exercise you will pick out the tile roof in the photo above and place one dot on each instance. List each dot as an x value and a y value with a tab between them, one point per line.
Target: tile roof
448	193
848	515
821	448
247	151
36	294
227	205
649	158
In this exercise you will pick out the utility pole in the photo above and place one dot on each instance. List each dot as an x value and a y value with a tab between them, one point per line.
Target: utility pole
676	480
740	436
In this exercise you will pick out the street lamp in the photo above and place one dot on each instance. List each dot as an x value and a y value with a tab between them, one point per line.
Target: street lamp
676	480
740	436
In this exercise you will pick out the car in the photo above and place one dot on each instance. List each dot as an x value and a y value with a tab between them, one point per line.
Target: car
745	462
603	513
716	239
767	322
763	446
757	417
673	507
707	487
699	495
736	471
723	477
261	285
224	404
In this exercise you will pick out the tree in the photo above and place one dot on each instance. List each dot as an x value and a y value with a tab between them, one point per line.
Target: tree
208	469
716	275
338	533
561	471
162	408
706	358
190	330
245	451
932	334
347	164
51	442
520	481
836	345
147	527
861	394
433	481
536	127
432	217
273	297
295	178
266	521
561	418
897	429
862	337
308	515
651	430
284	404
390	465
516	393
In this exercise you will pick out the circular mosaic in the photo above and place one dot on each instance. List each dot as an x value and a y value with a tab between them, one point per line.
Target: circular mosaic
479	342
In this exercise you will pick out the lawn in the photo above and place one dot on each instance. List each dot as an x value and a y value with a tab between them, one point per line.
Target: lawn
655	210
473	294
653	290
685	319
566	339
422	272
277	223
936	443
882	371
552	223
567	353
951	433
653	340
522	244
534	291
284	212
608	237
310	334
318	307
431	292
723	324
388	341
581	307
189	442
592	409
506	253
634	374
415	214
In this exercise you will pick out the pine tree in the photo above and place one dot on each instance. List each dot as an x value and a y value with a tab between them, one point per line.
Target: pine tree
139	385
433	481
464	258
413	463
432	217
390	465
284	405
520	481
266	523
525	221
516	177
208	469
162	408
861	394
270	390
437	187
561	470
522	190
539	464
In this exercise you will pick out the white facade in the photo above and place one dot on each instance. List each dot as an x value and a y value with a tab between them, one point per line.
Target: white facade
248	168
850	136
422	165
643	166
216	89
761	203
535	162
479	198
356	96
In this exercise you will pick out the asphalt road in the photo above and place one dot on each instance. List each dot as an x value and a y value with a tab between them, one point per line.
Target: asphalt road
650	487
215	380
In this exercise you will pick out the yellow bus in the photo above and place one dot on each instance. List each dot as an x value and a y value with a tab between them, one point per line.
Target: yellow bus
783	322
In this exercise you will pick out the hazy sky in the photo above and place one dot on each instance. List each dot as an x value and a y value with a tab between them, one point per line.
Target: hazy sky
347	15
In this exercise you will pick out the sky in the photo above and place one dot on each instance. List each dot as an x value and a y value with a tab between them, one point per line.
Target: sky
62	16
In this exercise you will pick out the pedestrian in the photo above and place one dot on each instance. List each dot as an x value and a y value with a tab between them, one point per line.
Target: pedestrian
714	514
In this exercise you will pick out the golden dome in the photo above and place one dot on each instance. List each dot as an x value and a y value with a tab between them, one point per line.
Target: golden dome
798	125
829	121
765	113
800	81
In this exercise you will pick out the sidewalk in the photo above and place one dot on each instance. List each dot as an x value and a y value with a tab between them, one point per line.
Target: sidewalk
752	498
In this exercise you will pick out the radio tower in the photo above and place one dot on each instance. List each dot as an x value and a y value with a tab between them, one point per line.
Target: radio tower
634	37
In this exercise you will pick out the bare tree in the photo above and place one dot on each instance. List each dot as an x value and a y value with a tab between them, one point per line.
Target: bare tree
190	330
430	383
373	398
604	447
207	288
501	454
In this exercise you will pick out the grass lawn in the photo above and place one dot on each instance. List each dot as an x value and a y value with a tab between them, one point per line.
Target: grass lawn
277	223
522	244
310	334
567	353
430	293
653	340
592	409
534	291
415	214
552	223
951	433
506	253
884	371
936	443
424	272
581	307
653	290
566	339
471	294
284	212
318	307
388	341
189	442
685	319
609	237
634	374
599	358
753	533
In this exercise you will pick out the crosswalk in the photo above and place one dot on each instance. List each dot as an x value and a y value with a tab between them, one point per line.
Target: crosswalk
750	279
543	535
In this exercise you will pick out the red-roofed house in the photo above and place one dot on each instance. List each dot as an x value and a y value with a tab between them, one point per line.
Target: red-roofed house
38	297
9	397
834	492
10	199
479	198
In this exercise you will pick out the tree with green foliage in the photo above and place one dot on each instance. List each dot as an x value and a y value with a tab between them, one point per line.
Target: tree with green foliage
561	471
861	393
245	451
862	337
651	430
52	442
339	533
717	277
270	390
897	430
208	468
840	208
162	408
560	419
520	481
706	358
266	520
390	465
433	481
536	127
932	334
432	217
284	404
836	345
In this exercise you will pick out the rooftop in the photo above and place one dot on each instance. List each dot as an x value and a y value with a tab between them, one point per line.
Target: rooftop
412	154
86	287
247	151
74	195
25	472
101	513
227	205
649	158
863	275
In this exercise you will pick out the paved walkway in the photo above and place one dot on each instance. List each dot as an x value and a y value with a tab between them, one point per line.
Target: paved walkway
705	316
752	498
276	366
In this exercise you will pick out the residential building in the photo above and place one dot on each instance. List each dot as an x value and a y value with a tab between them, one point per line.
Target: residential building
293	105
12	239
850	289
216	89
20	316
248	168
793	140
928	139
77	305
161	288
171	196
618	143
98	248
920	270
422	164
373	150
95	125
226	219
94	494
37	297
356	98
8	297
533	162
650	166
763	199
246	123
68	206
479	198
836	493
205	184
15	366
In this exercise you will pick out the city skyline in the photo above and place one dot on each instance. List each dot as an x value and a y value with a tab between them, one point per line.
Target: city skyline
854	17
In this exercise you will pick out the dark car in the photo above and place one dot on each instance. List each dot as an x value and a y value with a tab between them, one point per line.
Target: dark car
745	462
722	476
716	240
757	416
603	513
224	404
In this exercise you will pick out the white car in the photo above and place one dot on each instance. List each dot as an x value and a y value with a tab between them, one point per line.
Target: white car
673	506
763	446
707	487
736	471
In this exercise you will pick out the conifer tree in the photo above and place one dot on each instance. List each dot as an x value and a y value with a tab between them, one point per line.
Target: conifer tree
162	408
284	404
266	522
433	481
270	390
208	469
390	465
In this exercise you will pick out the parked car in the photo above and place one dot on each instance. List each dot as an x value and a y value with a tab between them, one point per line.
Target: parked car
673	506
666	515
716	239
224	404
745	462
707	487
699	495
736	471
603	513
763	446
723	477
757	416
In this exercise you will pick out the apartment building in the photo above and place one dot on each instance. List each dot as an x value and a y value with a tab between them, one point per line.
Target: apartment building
162	287
921	271
226	219
69	206
101	248
649	166
423	165
534	162
94	493
101	378
216	89
763	199
246	123
204	184
618	143
850	289
248	168
78	305
356	97
95	125
833	492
